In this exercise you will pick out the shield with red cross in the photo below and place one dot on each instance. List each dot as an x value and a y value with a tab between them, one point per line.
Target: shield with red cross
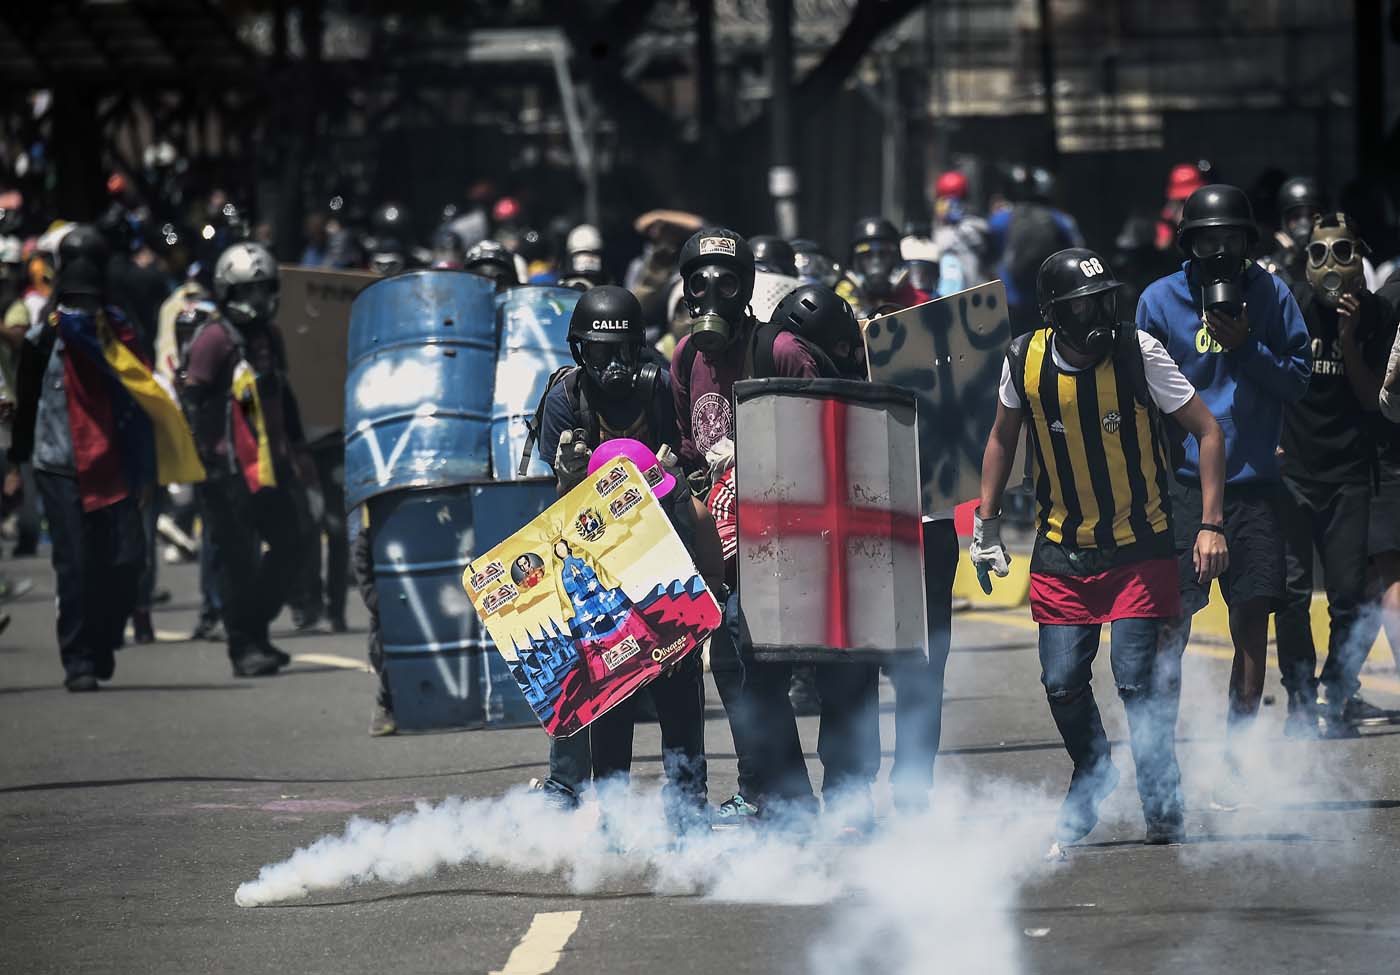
830	543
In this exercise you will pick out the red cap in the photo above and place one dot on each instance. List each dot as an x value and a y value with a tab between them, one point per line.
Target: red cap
506	209
952	183
1184	180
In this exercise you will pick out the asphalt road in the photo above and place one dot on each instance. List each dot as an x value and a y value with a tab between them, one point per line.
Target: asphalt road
129	817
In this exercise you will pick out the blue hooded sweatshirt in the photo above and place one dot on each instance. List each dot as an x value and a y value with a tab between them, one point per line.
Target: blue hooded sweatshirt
1246	388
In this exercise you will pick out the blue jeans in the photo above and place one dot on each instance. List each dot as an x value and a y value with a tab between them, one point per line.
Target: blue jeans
918	684
1149	684
772	765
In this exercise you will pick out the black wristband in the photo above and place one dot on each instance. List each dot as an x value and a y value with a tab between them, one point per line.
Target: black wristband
1208	527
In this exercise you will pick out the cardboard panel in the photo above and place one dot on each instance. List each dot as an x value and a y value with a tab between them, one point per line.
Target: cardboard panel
948	352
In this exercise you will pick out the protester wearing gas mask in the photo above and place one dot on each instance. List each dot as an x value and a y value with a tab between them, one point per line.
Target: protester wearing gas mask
1329	455
1237	334
1091	390
717	272
241	408
1301	203
868	284
615	391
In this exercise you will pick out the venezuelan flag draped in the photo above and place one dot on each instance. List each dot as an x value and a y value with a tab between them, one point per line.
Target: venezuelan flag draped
250	441
127	432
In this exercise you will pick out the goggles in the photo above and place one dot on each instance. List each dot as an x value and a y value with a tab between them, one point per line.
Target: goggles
1343	251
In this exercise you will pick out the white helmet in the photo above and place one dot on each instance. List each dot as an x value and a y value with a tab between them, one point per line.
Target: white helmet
246	283
584	237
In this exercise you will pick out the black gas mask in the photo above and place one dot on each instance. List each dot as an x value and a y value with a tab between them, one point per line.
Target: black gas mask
1087	324
714	296
611	365
1219	254
252	301
1298	224
874	261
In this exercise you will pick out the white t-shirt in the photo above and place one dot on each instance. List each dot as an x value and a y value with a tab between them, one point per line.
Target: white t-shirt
1169	389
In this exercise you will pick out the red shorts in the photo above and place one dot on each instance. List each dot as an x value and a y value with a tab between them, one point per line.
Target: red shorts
1139	590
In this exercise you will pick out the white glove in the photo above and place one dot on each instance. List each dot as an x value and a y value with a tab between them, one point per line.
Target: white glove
720	458
987	551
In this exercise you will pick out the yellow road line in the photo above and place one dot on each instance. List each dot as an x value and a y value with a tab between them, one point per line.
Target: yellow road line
1021	621
331	660
538	952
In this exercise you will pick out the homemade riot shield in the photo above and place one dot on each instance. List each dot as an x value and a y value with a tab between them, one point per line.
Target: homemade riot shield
768	290
592	600
948	352
534	343
314	318
422	352
436	654
830	545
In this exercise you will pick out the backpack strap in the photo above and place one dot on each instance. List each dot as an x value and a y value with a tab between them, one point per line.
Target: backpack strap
532	425
688	355
1127	353
584	412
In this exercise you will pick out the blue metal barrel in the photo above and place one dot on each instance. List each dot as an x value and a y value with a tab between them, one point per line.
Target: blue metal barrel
422	356
534	343
442	668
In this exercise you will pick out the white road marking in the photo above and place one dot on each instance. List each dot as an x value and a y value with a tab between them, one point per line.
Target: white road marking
331	660
538	952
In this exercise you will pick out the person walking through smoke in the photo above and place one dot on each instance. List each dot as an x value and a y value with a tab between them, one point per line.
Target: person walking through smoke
1091	389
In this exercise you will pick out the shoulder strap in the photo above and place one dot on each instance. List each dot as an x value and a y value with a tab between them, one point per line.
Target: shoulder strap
687	365
532	425
584	412
1016	358
1128	355
765	365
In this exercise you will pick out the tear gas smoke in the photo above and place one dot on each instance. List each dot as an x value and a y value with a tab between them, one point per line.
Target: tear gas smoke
930	893
947	878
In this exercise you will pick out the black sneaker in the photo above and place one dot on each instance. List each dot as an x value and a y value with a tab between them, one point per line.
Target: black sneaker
82	683
1165	831
1087	789
1360	712
1331	716
306	619
338	624
256	663
210	629
142	632
1333	726
283	658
